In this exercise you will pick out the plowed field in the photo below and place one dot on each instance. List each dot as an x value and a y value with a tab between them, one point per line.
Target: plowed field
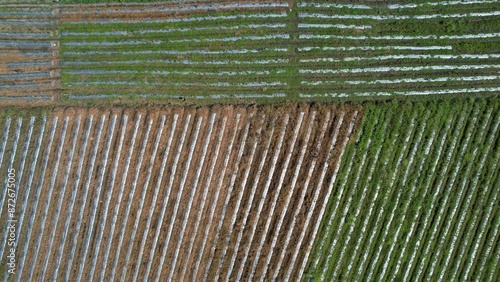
176	194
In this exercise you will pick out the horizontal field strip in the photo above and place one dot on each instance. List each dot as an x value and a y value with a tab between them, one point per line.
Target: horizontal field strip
440	3
25	75
220	73
180	57
402	80
373	48
26	64
178	96
396	48
401	37
181	62
250	84
183	8
332	5
29	53
403	57
27	23
394	17
25	13
28	85
434	155
173	30
177	52
340	26
394	6
184	20
158	42
28	45
34	97
405	93
401	69
81	149
180	49
12	35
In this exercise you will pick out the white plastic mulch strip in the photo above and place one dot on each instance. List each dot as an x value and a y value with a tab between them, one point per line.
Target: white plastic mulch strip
157	42
181	8
373	48
177	52
220	73
393	17
29	98
442	3
26	34
406	93
197	19
400	37
388	69
212	96
332	5
403	80
400	57
221	84
29	64
341	26
184	62
28	85
170	30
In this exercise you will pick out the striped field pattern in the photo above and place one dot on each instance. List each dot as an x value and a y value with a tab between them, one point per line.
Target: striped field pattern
172	50
378	49
261	50
29	70
168	194
416	197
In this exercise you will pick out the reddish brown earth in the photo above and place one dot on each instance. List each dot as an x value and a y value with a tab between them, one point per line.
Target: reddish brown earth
183	182
108	12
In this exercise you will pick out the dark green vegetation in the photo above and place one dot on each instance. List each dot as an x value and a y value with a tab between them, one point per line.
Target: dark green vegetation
416	196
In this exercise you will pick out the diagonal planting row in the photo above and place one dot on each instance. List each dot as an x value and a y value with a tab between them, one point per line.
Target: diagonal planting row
131	193
29	55
431	181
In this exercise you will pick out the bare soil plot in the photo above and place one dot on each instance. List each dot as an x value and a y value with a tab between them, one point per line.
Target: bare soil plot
176	194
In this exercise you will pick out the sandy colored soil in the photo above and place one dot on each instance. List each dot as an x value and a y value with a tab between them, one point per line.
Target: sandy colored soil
226	181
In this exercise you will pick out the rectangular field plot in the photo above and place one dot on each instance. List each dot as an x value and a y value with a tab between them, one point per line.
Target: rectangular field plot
379	49
169	194
29	72
173	50
416	197
248	50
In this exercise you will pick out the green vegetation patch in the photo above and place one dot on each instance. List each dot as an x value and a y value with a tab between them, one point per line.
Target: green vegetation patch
415	197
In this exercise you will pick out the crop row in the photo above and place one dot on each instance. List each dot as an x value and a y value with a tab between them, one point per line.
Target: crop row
109	227
423	224
27	41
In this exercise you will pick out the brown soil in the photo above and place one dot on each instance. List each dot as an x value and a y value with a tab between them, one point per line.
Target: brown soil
101	13
249	116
